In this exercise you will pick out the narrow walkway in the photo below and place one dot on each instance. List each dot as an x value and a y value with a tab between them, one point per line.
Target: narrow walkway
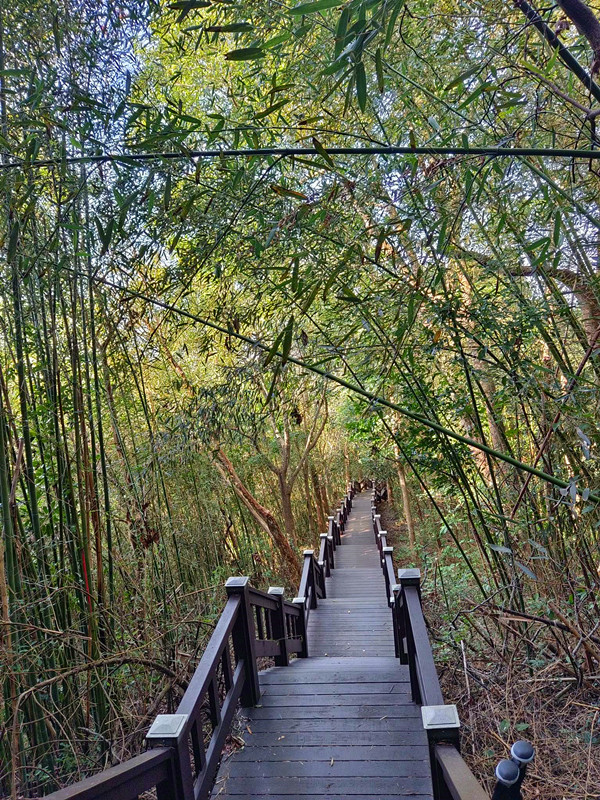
340	723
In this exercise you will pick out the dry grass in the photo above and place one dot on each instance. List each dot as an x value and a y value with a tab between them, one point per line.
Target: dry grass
499	703
514	680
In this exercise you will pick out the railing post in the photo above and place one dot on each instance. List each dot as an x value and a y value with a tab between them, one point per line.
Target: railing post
244	635
396	605
442	726
381	539
171	730
410	577
331	546
325	564
334	531
300	603
312	579
388	587
278	630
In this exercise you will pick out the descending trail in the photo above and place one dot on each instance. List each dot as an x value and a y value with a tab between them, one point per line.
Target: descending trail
340	723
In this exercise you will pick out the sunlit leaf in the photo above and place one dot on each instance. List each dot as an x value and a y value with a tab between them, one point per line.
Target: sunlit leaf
285	192
245	54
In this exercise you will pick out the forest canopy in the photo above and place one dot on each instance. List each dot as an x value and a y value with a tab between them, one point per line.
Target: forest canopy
251	251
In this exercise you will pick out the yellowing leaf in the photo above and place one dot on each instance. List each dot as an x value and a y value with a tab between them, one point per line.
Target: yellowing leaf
284	192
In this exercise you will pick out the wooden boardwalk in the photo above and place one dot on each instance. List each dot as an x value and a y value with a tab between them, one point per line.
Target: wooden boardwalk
340	723
342	720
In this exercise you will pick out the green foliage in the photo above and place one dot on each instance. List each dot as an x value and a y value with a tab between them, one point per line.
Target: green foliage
462	289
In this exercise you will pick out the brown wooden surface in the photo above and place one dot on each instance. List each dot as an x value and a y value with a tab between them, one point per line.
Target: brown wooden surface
340	723
459	779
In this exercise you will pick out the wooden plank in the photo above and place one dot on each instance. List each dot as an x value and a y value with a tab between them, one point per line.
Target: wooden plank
262	599
126	780
429	684
338	712
215	747
331	665
389	700
221	793
326	769
459	779
340	651
266	647
367	738
338	678
324	787
284	690
282	726
204	673
396	753
358	637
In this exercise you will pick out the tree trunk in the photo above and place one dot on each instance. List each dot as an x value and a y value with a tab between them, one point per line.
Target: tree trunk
324	499
262	515
321	510
285	490
346	463
405	500
309	504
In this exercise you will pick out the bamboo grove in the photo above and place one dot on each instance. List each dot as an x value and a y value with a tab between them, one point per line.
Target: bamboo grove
417	315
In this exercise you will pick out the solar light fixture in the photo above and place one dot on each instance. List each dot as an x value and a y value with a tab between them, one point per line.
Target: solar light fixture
522	752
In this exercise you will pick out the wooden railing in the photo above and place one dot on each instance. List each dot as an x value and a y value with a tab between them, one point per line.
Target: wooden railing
186	746
452	778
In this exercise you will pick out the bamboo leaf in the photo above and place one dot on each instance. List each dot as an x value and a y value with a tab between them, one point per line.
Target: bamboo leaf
462	77
245	54
287	340
499	548
285	192
232	27
379	70
526	570
341	32
361	85
322	152
189	5
271	109
317	5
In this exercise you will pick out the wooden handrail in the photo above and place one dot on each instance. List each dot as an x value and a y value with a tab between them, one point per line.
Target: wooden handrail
126	781
458	778
451	776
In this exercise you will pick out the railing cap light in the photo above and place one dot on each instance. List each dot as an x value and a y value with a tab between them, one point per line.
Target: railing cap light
507	772
436	717
308	552
299	600
237	581
322	535
522	752
388	549
167	726
276	590
408	575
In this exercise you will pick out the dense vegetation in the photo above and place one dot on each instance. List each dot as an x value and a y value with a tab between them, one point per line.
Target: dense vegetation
197	352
